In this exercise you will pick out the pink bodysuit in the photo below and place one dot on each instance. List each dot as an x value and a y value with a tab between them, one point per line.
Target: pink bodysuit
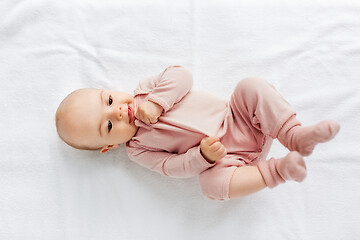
245	125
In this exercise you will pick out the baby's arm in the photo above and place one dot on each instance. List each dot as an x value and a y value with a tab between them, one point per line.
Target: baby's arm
183	165
167	88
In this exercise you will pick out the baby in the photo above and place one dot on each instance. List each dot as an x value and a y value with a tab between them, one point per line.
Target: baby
179	132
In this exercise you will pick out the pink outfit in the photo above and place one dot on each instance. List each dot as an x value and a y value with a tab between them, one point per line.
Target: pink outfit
245	125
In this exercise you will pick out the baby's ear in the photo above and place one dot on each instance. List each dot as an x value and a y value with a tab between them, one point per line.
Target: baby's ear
108	147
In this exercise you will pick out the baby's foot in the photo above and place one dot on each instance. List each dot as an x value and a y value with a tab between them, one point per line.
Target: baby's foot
292	167
304	139
276	171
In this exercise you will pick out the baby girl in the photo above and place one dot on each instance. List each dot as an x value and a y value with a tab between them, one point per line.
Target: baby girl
179	132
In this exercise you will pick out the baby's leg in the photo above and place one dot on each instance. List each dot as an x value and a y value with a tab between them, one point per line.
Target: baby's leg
246	180
265	109
261	106
250	179
304	139
231	178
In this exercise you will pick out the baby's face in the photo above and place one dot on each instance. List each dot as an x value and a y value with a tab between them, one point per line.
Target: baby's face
97	118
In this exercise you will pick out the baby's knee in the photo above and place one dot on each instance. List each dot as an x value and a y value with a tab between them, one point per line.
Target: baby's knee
250	84
214	186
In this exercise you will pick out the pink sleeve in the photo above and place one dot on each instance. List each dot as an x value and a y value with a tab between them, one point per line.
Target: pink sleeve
167	88
184	165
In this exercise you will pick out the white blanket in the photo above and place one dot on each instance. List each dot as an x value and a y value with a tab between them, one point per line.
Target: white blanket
310	51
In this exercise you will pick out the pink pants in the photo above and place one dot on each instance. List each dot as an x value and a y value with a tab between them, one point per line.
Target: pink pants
257	113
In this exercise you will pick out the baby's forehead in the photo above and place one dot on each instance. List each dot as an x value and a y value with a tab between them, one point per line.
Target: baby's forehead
80	108
77	97
84	93
76	101
77	116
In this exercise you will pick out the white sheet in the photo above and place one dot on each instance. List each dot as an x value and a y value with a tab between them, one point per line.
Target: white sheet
310	50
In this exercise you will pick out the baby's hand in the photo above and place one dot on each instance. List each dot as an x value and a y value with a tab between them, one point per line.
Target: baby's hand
148	112
212	149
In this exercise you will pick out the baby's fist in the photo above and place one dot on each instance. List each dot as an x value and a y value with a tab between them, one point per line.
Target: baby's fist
149	112
212	149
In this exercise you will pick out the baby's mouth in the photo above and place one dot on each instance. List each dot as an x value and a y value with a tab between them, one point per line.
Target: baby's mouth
130	114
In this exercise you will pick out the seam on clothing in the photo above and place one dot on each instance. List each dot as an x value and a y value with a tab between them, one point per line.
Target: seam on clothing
164	105
163	169
265	150
140	92
251	156
226	187
281	123
257	165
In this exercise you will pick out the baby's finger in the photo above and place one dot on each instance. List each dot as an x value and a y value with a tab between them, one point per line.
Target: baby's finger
153	120
147	121
215	146
212	140
221	152
138	115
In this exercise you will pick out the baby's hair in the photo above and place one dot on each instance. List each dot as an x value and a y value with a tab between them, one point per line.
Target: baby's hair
59	121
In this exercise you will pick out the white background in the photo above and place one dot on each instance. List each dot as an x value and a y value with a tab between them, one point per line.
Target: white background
310	51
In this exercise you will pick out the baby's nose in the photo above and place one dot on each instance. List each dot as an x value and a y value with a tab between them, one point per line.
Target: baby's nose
123	108
121	111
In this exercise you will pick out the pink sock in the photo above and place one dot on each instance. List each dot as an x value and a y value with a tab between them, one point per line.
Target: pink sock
304	139
276	171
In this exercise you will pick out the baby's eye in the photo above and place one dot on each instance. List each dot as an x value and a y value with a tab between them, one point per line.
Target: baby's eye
110	100
109	126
